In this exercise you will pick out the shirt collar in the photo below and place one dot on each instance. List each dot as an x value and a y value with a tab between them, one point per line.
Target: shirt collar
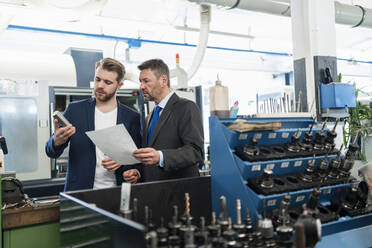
165	100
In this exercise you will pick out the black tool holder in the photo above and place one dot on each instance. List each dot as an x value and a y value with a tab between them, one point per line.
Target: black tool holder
3	145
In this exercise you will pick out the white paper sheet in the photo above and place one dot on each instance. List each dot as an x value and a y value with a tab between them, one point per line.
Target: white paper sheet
116	143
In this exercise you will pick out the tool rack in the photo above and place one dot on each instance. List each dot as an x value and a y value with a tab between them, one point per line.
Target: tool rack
92	217
230	174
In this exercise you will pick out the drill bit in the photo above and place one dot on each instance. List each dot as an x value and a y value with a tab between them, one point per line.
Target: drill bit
238	212
202	223
175	213
239	227
135	209
340	150
248	221
213	228
223	214
187	204
174	226
334	127
213	221
323	126
146	216
311	126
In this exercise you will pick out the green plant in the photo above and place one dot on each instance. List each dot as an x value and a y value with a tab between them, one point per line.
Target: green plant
358	120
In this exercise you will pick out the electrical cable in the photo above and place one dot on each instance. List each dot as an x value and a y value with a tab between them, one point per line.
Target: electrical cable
235	5
363	17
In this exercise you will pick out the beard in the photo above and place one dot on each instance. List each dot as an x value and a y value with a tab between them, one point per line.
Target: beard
104	97
147	96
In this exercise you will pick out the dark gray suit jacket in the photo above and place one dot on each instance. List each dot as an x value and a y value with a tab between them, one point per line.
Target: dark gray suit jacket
179	135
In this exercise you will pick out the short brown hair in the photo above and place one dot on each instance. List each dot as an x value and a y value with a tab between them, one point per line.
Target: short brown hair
110	64
157	66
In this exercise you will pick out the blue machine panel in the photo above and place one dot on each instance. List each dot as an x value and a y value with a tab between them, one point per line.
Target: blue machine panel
360	237
337	95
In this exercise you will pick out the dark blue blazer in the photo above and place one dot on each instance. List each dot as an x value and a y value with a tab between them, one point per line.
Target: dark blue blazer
82	155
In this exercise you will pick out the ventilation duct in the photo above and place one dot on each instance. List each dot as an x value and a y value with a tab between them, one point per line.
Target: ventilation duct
353	15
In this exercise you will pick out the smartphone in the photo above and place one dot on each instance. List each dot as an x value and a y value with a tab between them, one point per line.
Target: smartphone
61	119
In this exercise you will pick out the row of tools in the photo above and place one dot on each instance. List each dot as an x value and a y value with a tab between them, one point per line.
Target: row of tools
325	173
354	203
281	104
284	227
323	143
185	231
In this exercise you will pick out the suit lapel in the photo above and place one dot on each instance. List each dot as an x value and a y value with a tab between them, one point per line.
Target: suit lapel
120	116
146	129
90	119
90	114
163	117
148	118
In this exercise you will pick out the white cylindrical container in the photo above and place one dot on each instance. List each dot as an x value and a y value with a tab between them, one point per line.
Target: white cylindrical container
219	100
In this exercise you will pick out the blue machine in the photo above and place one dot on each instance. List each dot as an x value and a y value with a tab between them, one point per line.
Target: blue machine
230	174
335	98
337	95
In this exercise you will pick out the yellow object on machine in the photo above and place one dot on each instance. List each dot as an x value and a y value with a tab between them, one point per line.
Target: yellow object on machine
242	126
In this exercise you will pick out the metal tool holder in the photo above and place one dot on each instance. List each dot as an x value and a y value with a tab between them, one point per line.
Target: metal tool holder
230	174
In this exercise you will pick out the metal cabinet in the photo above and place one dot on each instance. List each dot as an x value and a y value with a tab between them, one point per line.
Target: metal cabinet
44	235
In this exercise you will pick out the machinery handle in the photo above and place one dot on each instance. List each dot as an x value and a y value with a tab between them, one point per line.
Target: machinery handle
3	145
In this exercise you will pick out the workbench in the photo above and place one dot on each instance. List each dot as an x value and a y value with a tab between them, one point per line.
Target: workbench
31	227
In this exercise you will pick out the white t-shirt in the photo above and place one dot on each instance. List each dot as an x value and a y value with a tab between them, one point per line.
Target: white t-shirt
103	177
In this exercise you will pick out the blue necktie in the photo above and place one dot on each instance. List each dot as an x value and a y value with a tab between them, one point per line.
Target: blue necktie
155	118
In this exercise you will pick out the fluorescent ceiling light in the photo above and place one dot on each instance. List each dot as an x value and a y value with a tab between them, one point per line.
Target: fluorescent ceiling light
184	28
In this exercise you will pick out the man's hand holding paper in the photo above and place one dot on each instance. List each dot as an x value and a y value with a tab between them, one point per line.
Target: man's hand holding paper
110	164
116	143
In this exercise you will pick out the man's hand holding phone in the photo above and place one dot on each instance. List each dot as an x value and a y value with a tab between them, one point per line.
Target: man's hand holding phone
63	133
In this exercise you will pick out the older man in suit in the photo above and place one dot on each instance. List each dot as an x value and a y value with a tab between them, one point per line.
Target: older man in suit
173	135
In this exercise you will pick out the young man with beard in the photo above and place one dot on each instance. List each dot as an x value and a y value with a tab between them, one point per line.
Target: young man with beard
173	134
88	167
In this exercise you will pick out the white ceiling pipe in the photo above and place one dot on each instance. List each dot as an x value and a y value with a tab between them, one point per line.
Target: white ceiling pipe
353	15
205	19
265	6
185	28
